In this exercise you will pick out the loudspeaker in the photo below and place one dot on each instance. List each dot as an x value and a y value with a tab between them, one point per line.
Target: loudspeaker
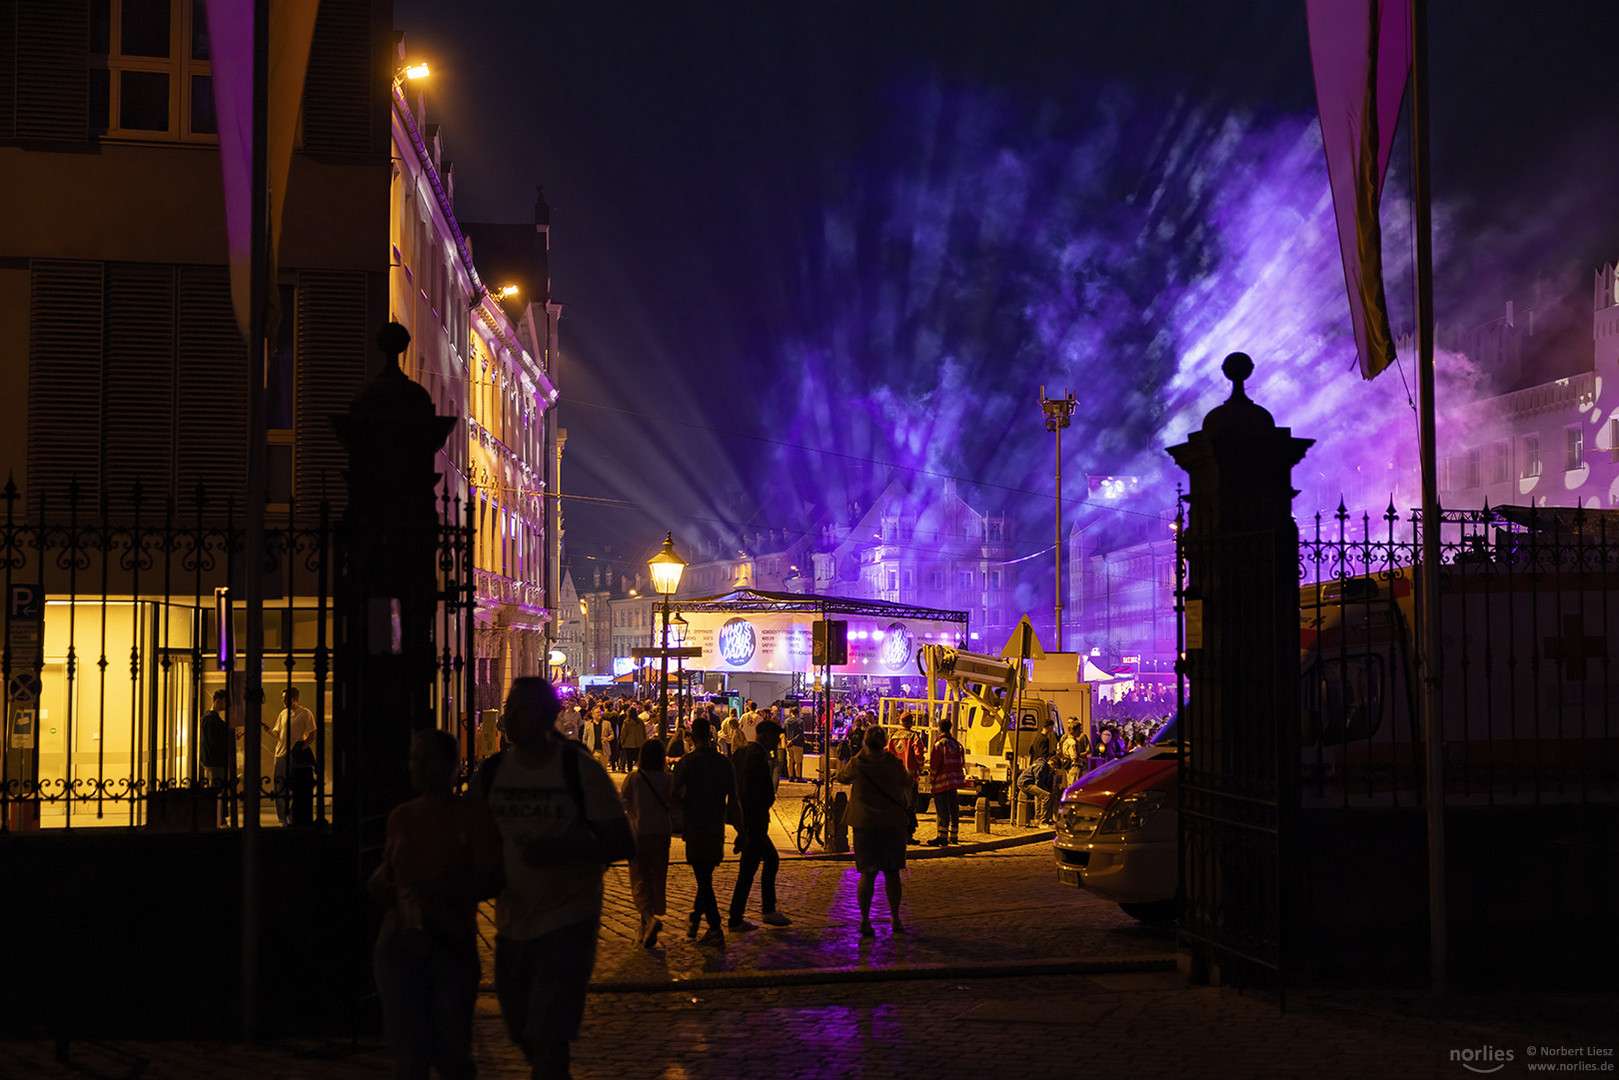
831	642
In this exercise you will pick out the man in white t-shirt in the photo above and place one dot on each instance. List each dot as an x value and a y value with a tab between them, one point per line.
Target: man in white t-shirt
561	823
294	761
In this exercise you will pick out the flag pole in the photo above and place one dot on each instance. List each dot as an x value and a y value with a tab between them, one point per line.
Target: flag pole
253	693
1429	647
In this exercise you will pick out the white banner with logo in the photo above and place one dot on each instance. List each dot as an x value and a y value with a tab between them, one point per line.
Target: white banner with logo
783	641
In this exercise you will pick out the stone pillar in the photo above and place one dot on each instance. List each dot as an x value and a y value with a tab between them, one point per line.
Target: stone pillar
386	590
1239	788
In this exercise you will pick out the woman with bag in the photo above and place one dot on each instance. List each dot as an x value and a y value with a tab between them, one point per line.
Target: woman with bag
646	800
881	819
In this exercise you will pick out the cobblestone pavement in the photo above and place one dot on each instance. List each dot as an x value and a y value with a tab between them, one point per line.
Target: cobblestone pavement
1003	973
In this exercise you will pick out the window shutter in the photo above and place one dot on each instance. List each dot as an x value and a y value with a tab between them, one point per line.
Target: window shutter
8	69
211	396
64	380
138	394
338	86
52	70
331	350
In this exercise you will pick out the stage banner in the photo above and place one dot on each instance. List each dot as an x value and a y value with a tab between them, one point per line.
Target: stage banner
783	641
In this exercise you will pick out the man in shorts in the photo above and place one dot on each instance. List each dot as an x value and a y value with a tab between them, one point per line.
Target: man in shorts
561	823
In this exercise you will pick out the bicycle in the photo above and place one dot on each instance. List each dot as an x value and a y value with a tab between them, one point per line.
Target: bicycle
811	820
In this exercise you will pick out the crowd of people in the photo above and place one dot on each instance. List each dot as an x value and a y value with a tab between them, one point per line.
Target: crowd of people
544	816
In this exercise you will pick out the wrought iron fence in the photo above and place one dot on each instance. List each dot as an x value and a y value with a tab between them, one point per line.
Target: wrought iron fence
1529	701
118	633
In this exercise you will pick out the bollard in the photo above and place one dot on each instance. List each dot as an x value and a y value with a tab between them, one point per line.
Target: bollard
981	814
1020	811
838	830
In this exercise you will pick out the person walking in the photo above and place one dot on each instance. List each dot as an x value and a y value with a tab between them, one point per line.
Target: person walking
947	765
441	856
561	824
881	819
756	792
645	792
632	736
704	787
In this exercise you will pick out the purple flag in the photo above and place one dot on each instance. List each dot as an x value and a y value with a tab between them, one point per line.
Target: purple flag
1361	52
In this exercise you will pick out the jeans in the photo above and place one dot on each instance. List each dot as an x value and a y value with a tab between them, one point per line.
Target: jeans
428	985
946	807
755	853
705	903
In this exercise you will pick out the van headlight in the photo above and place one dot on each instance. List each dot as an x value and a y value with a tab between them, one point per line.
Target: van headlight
1130	812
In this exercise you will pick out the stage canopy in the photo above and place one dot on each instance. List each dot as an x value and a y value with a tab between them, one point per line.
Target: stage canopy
752	630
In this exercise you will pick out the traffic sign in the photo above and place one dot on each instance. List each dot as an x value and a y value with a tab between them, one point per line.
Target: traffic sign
27	603
23	688
1023	643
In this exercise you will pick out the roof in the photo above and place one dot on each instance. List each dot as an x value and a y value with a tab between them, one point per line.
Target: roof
760	600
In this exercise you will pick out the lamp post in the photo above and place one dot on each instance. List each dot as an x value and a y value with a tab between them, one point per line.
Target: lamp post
666	569
680	626
1058	413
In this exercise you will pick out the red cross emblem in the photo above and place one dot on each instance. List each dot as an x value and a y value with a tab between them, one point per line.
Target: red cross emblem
1575	647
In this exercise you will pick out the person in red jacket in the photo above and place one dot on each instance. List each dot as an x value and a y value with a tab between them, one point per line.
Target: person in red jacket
907	745
948	767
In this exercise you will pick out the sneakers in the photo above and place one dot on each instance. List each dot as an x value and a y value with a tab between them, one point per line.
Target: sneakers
694	923
650	938
776	918
713	937
740	926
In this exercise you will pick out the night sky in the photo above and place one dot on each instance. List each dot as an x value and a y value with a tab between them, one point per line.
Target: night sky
802	246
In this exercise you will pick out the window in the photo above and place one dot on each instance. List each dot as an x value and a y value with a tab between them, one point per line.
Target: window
935	579
1613	440
1475	461
966	579
1573	448
910	579
157	79
994	579
1501	463
1531	456
893	579
993	529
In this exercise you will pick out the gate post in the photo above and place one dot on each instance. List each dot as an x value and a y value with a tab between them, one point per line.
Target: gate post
386	590
1239	769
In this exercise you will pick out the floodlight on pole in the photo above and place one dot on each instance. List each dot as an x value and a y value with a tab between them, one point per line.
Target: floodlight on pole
1059	414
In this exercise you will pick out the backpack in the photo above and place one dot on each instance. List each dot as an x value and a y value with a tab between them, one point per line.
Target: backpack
485	778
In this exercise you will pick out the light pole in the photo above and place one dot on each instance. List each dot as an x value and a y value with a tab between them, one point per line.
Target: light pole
1058	412
666	569
681	626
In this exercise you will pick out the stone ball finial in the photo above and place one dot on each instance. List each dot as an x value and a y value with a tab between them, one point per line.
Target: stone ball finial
1237	367
393	340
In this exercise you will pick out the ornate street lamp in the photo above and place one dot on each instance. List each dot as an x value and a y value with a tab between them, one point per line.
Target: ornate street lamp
1058	412
666	569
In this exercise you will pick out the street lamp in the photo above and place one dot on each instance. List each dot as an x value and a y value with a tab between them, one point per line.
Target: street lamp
680	625
666	569
1058	412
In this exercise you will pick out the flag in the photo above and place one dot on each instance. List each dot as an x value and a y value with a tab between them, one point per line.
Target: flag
1361	52
230	37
